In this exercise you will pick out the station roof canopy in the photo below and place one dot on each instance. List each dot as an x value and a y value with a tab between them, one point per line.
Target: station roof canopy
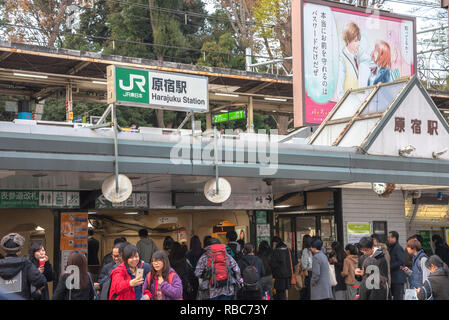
393	119
49	70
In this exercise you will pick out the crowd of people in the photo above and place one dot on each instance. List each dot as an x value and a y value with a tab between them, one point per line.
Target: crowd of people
372	270
235	271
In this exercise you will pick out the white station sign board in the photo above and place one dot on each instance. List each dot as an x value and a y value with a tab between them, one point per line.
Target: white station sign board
156	89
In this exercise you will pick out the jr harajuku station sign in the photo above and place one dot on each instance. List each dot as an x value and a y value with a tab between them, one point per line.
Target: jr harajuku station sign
157	89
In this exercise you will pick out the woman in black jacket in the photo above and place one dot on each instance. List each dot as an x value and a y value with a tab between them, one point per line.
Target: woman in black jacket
437	285
185	271
337	258
86	287
39	258
265	253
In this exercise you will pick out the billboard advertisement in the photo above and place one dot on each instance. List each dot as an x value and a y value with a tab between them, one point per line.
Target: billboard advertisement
337	47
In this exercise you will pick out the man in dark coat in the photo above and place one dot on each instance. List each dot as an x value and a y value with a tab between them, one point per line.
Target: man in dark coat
108	258
93	245
18	274
281	268
397	261
441	248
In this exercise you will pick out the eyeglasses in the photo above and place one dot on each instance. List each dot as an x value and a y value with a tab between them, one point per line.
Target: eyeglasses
116	256
157	262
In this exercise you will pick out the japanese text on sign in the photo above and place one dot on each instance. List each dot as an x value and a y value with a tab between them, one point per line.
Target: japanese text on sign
415	125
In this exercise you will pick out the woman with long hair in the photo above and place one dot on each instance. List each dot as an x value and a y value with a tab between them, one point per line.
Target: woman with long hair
436	287
338	256
39	258
86	289
185	271
162	283
306	264
195	252
265	253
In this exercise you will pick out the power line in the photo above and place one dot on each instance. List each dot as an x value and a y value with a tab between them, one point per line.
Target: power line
140	43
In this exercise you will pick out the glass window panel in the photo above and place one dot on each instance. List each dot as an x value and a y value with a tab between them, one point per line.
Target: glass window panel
351	104
329	134
358	132
383	98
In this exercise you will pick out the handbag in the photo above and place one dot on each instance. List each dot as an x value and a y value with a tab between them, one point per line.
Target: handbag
293	277
332	277
410	294
299	277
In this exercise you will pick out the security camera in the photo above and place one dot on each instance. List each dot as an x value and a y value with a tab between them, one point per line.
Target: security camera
268	181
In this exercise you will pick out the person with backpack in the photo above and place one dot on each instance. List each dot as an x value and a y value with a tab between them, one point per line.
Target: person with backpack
436	287
233	248
184	270
252	269
369	250
18	274
441	248
370	292
126	282
281	266
162	283
265	254
419	273
86	289
218	272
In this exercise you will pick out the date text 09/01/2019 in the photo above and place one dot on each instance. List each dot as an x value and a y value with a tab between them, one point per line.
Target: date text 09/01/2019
245	309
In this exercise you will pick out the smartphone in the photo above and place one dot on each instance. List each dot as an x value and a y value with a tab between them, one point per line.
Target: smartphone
139	273
41	262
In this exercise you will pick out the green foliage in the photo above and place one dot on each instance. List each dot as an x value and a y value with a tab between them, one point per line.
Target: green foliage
226	44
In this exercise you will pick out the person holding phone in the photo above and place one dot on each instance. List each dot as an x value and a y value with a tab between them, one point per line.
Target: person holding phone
39	258
128	277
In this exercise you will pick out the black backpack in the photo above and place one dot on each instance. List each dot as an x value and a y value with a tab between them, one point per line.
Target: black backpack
250	276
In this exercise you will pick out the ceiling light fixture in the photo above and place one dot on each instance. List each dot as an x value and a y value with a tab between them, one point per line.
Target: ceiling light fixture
224	111
30	75
226	94
282	206
100	82
130	213
39	228
275	99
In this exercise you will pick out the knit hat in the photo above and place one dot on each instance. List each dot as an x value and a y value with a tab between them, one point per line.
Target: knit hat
12	243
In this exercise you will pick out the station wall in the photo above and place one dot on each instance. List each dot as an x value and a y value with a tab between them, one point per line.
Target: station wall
364	205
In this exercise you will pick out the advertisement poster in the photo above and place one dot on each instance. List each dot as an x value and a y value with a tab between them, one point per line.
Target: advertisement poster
425	234
74	227
357	231
346	48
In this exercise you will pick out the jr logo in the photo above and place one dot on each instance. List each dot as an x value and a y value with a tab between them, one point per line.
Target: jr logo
138	79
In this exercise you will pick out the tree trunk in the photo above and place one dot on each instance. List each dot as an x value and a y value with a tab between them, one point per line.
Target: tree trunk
282	123
57	22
